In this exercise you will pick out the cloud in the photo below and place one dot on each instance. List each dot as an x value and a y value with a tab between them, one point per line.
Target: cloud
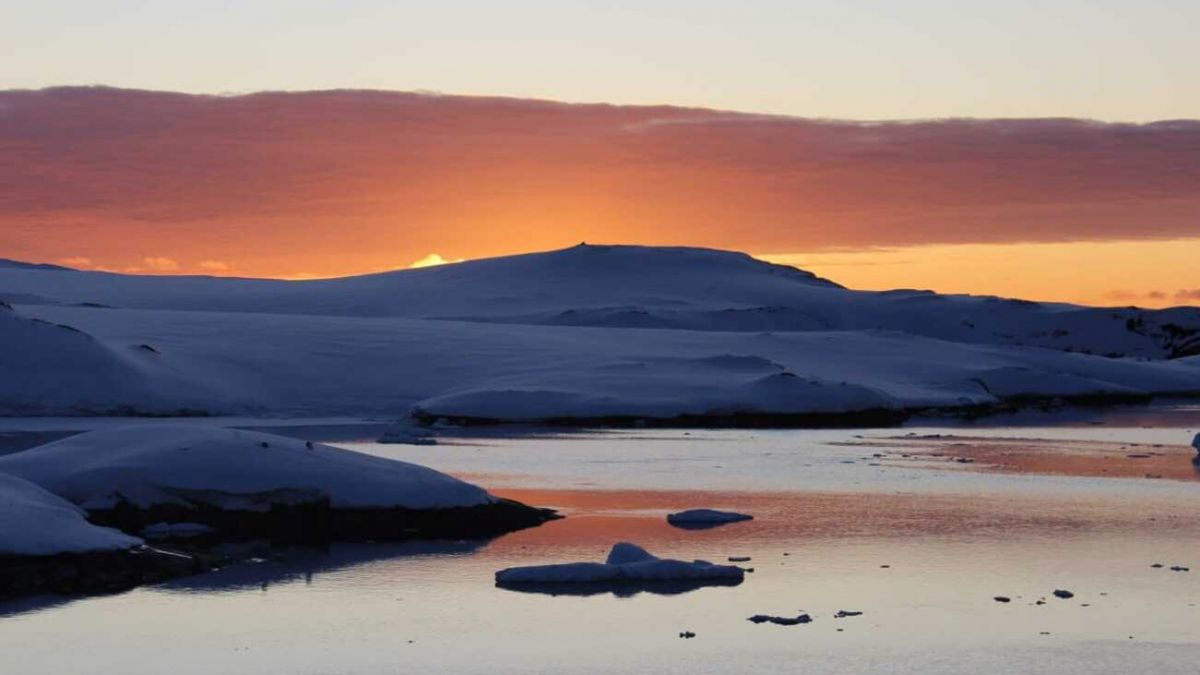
340	180
213	265
76	261
160	264
1182	296
432	260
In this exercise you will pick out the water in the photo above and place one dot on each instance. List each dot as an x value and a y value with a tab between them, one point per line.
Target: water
920	551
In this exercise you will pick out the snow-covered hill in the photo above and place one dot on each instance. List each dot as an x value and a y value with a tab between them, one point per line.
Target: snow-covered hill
572	334
46	367
642	287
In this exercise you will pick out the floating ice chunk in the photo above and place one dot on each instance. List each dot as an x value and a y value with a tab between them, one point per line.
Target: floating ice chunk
626	563
706	517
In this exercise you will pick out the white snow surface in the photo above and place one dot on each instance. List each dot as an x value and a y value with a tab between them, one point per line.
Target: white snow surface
34	522
537	336
706	517
228	468
626	562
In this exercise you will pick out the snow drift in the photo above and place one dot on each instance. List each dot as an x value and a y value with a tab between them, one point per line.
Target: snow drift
47	366
34	522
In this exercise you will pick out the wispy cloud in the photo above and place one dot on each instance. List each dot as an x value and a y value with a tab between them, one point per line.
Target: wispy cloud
160	264
214	265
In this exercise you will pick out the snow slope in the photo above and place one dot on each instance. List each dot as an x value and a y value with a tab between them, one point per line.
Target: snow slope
46	366
229	469
34	522
304	365
641	287
576	333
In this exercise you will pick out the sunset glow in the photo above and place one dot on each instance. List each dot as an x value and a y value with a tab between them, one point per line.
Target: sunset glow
339	183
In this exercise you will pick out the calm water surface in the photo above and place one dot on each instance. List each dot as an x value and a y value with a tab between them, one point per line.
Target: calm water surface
921	552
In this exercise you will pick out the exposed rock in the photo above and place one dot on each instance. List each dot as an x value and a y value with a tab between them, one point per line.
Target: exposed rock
781	620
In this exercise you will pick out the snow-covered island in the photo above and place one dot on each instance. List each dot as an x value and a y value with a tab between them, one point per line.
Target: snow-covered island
585	335
98	491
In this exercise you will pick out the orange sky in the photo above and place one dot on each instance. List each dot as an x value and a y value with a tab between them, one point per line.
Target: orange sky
332	183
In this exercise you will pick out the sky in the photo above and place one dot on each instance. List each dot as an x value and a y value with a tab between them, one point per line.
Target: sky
1092	198
867	59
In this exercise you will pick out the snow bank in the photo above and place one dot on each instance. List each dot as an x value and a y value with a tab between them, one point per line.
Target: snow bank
228	469
706	517
626	563
34	522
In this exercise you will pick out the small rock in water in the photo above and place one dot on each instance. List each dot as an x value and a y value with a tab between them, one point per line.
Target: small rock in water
1157	565
1180	568
739	558
781	620
1001	598
1063	594
843	613
687	635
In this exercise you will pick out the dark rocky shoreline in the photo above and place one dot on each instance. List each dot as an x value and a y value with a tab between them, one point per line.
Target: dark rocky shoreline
99	572
857	419
316	522
313	524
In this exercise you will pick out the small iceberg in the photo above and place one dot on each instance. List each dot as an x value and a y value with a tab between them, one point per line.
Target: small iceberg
628	569
705	518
